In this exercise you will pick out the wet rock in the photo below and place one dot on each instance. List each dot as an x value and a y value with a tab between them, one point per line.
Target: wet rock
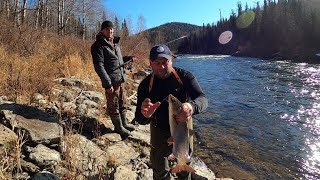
202	171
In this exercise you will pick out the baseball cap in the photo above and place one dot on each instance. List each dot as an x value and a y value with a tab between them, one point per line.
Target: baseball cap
160	50
106	24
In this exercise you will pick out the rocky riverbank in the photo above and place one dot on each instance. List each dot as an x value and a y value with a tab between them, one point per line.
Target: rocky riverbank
59	137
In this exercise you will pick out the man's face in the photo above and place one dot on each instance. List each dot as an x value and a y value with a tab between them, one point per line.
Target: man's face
161	67
108	32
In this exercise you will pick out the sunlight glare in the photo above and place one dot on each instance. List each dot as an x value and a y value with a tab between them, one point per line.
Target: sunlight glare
245	19
225	37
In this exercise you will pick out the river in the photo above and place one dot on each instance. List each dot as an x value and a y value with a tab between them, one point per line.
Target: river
263	118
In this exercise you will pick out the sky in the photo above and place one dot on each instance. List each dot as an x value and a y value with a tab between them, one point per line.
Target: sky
160	12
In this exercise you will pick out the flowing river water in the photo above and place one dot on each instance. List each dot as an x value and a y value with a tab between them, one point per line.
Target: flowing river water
263	119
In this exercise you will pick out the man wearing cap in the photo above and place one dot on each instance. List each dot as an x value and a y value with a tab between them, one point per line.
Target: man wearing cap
107	58
152	107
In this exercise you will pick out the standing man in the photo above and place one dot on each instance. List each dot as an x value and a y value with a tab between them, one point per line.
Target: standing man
107	58
152	107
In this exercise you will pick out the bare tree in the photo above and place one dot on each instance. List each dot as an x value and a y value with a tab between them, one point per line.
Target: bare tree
39	14
60	16
17	12
24	11
141	24
5	8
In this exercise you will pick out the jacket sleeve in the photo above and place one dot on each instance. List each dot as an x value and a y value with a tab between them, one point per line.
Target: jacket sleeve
142	94
98	62
198	100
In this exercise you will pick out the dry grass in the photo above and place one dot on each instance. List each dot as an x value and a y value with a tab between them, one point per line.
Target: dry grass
24	76
10	154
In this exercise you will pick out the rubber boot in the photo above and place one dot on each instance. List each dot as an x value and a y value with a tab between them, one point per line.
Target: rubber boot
125	124
118	128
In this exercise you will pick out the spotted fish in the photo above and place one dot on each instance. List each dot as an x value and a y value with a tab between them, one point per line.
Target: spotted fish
180	133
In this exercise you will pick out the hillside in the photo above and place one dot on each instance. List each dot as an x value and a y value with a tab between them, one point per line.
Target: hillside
169	31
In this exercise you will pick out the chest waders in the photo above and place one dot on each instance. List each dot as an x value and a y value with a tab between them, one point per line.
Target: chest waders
190	121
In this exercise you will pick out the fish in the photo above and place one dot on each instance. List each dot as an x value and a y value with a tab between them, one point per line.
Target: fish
180	135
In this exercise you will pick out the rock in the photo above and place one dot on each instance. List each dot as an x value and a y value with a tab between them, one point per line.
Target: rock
94	96
7	135
29	167
82	153
75	82
44	156
202	171
124	173
130	115
140	137
45	175
66	95
40	126
38	96
90	104
121	153
4	100
145	174
111	137
21	176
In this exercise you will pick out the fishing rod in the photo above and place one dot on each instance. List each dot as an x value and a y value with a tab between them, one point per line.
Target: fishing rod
175	40
169	42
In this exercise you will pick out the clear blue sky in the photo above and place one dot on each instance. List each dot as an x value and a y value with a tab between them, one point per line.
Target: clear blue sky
160	12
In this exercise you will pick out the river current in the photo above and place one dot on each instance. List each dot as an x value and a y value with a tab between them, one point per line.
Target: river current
263	119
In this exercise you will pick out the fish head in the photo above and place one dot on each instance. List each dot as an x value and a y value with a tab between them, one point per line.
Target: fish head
175	104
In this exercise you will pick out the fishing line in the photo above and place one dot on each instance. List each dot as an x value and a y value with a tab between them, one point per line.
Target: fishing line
165	99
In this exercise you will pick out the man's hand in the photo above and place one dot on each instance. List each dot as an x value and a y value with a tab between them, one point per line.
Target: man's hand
108	91
185	114
148	108
133	58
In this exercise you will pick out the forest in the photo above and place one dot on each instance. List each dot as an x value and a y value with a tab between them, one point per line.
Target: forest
280	30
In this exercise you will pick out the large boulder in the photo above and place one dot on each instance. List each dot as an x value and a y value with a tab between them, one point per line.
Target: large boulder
40	127
7	135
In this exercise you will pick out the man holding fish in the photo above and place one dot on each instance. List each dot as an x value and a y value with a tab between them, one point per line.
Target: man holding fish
167	99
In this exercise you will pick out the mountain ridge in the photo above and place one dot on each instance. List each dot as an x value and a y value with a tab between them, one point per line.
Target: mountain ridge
167	32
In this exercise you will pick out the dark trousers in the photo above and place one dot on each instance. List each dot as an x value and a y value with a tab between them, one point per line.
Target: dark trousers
159	156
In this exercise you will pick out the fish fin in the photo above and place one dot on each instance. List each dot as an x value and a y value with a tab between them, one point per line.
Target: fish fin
170	141
179	168
171	157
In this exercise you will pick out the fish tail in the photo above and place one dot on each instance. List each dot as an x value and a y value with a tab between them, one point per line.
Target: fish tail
179	168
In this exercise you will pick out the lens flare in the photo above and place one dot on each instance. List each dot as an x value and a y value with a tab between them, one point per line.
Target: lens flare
245	19
225	37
